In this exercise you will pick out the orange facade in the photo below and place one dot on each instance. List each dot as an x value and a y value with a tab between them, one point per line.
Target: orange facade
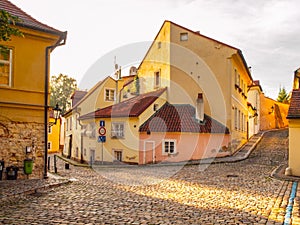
187	146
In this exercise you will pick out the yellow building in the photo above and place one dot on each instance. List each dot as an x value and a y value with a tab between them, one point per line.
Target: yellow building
53	135
294	129
189	63
23	103
199	75
79	140
116	128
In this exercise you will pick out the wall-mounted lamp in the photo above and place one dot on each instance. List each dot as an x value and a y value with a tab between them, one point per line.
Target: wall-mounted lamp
272	109
56	115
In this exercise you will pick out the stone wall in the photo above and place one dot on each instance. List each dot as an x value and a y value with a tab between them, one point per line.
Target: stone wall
14	138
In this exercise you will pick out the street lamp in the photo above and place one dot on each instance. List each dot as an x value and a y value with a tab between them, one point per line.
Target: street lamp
56	115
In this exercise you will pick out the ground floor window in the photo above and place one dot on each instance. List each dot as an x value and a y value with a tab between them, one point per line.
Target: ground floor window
118	155
169	146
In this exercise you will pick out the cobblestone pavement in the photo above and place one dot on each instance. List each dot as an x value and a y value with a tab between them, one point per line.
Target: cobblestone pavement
227	193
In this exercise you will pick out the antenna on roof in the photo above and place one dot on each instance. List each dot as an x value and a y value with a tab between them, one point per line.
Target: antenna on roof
117	69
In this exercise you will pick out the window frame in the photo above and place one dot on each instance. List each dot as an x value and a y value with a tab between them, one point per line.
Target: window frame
108	98
8	62
184	36
117	154
168	152
116	131
157	79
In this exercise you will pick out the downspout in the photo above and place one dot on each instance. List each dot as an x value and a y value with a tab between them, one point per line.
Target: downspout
49	49
81	138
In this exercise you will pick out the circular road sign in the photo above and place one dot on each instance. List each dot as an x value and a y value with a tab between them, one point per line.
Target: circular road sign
102	131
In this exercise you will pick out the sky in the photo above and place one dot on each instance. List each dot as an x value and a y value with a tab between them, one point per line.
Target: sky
266	31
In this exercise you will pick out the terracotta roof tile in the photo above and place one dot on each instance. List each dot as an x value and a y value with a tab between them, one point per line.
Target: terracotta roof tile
181	118
130	108
294	110
27	20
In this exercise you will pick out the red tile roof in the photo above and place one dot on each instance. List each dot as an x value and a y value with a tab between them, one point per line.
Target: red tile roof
130	108
294	110
181	118
26	20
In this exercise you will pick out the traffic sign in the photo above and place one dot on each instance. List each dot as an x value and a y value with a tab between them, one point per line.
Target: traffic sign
102	123
101	138
102	131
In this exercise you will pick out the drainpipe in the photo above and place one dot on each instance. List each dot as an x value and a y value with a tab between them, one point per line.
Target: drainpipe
49	49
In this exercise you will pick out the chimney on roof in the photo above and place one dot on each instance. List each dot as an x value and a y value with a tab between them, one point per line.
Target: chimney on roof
200	107
132	70
198	31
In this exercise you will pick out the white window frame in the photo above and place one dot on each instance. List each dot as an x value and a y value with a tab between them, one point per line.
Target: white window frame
9	63
111	94
167	152
184	36
118	130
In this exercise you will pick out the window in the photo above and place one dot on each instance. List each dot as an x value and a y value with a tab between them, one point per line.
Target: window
239	120
243	123
235	118
49	145
157	79
242	85
77	152
235	77
5	66
70	123
118	155
109	94
117	130
169	147
159	44
184	36
67	126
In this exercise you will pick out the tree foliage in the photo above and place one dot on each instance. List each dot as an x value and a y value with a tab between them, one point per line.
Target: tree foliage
61	88
6	28
283	96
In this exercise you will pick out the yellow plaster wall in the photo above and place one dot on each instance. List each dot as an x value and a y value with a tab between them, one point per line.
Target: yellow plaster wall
156	59
25	97
294	148
54	136
272	119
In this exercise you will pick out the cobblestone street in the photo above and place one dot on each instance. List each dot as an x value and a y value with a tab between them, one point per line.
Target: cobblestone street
224	193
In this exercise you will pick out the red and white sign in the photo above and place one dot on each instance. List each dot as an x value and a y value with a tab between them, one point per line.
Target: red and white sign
102	131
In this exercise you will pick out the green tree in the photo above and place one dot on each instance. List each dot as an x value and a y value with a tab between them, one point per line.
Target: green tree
6	28
283	96
61	88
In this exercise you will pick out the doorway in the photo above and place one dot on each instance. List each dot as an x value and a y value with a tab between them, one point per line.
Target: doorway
149	152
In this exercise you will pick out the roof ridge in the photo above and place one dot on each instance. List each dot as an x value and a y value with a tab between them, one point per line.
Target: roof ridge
26	19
